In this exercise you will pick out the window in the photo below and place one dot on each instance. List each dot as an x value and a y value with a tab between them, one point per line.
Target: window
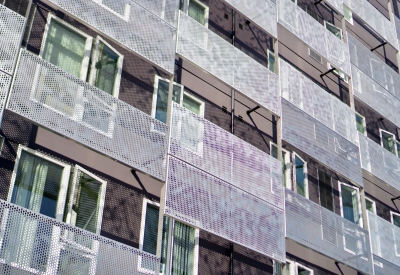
350	207
300	175
116	8
395	218
195	9
271	61
292	268
339	73
325	190
388	141
361	126
278	268
302	270
333	29
348	15
179	246
285	164
315	55
370	205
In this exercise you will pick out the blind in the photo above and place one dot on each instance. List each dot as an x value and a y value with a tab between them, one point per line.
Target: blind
183	250
106	69
151	229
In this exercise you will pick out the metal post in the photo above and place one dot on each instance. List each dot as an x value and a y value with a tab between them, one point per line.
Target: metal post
364	209
233	91
392	19
350	82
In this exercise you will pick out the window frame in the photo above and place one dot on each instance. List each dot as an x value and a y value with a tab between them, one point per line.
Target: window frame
351	21
127	10
186	4
170	240
297	265
288	183
319	189
95	58
394	139
339	73
270	53
315	52
358	202
294	155
396	249
332	25
364	123
373	204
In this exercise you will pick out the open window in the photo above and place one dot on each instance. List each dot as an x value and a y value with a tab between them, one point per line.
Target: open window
333	29
286	165
348	14
180	242
395	219
195	9
300	175
370	205
388	141
361	125
339	73
271	61
350	203
325	190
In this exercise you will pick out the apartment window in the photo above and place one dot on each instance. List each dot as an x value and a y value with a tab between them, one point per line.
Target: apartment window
348	14
325	190
350	207
361	126
395	218
195	9
388	141
333	29
300	175
271	61
315	55
339	73
179	245
302	270
278	268
285	164
292	268
370	205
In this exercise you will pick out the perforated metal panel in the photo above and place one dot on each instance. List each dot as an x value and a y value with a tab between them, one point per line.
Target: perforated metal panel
54	99
32	243
373	18
217	152
131	25
336	4
5	81
382	267
213	205
219	58
318	228
385	238
317	102
12	27
166	10
320	142
311	32
261	12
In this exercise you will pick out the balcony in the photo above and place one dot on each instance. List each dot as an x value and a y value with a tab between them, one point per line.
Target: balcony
317	102
374	82
45	95
374	19
213	54
261	12
123	21
307	29
380	162
320	142
313	226
211	204
32	243
385	238
382	267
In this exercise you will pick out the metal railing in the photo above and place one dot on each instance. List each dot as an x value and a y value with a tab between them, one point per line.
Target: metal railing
140	26
320	142
56	100
314	226
213	54
31	243
315	35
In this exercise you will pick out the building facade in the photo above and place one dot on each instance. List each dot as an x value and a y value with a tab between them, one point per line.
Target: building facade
199	137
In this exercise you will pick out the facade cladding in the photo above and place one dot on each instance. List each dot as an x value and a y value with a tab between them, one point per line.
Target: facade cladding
196	137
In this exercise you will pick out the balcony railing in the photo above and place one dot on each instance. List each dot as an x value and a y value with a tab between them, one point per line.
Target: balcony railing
382	267
374	19
385	238
12	26
314	226
32	243
261	12
380	162
213	54
124	21
213	205
317	102
320	39
54	99
320	142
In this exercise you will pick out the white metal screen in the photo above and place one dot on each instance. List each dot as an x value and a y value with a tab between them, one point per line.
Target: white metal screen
320	229
54	99
336	4
382	267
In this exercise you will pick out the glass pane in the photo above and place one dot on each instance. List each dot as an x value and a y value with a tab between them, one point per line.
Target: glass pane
87	203
162	99
302	271
37	184
151	229
300	167
360	124
369	205
274	154
325	190
350	204
106	69
181	4
396	220
335	30
183	250
197	12
271	62
347	14
398	148
191	104
388	142
64	48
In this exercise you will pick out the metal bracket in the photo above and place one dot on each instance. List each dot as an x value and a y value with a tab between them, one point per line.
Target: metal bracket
395	198
317	2
252	110
327	72
377	47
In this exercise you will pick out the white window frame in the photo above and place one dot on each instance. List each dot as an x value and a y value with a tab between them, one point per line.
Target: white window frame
127	10
297	265
358	202
271	54
294	155
351	15
394	138
88	45
315	52
95	59
170	241
373	204
288	164
332	25
392	213
186	4
339	73
364	123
